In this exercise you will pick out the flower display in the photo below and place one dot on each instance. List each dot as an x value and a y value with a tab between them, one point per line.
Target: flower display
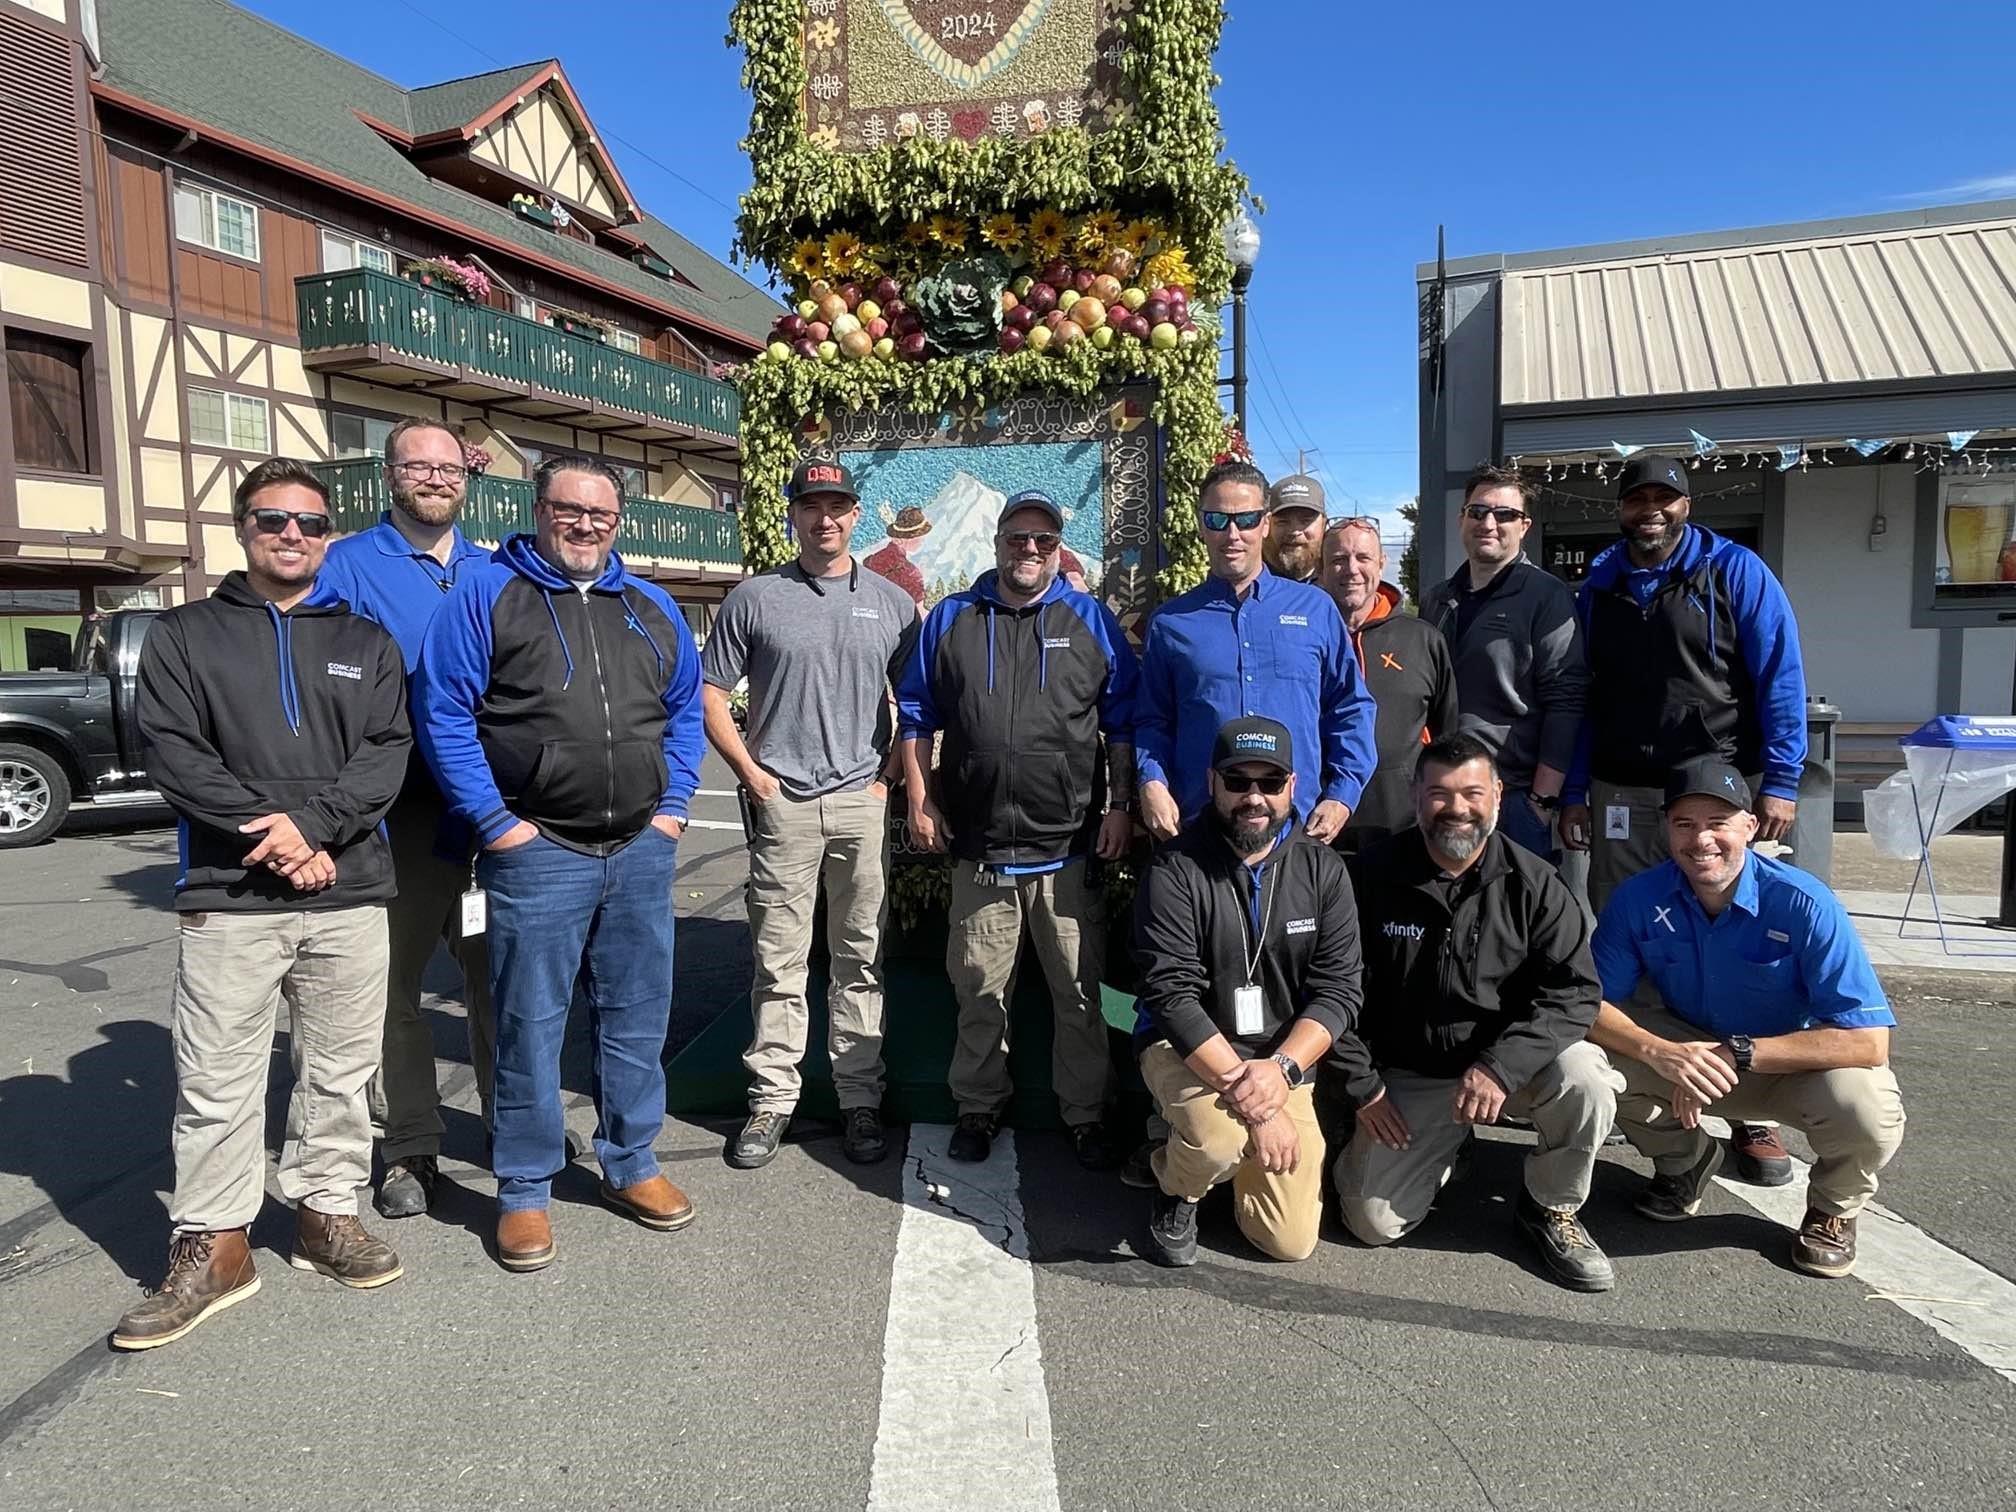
1171	266
808	259
1047	233
1002	232
843	253
949	232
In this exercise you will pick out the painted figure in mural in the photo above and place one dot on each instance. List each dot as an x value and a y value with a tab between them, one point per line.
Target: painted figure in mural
821	642
1026	677
906	535
1295	528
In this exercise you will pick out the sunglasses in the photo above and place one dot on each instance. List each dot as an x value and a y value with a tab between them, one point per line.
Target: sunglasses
1271	786
1246	519
1045	541
1503	514
274	522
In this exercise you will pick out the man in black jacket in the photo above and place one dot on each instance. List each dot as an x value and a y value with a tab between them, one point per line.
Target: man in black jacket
277	730
1024	674
1247	939
1479	994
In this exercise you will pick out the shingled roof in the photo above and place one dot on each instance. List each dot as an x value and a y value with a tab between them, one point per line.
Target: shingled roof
215	63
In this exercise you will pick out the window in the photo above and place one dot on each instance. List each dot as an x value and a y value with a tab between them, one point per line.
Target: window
528	308
728	497
40	601
48	384
625	341
237	421
216	220
358	435
340	251
108	600
636	482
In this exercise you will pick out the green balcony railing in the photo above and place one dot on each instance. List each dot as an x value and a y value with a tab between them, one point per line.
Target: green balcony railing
365	308
496	507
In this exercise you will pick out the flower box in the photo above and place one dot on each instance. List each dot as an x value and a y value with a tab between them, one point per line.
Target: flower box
539	215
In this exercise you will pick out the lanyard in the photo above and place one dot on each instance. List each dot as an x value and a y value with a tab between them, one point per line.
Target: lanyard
1259	908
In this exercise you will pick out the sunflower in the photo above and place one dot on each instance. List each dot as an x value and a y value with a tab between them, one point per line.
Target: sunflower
916	234
808	258
843	253
1136	235
950	232
1047	230
1170	268
1001	232
1096	233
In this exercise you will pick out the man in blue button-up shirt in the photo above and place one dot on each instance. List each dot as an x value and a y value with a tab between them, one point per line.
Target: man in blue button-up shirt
1767	1008
397	574
1246	643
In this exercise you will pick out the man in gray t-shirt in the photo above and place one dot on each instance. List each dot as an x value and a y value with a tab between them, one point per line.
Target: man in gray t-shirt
820	641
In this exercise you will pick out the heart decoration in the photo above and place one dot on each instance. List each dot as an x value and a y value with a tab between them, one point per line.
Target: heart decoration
963	62
969	124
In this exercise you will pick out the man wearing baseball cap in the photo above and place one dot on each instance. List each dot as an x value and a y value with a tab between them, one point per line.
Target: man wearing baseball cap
1767	1009
1294	547
1247	938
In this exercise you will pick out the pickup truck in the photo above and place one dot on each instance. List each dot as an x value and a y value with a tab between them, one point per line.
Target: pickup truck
68	736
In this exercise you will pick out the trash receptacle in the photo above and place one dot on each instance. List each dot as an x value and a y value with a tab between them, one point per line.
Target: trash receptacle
1812	837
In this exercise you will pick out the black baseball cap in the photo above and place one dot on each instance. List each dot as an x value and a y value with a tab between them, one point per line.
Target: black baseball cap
1034	498
1706	777
1640	471
1253	740
816	475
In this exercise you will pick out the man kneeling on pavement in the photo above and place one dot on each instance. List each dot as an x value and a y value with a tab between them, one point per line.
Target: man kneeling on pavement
1478	996
1766	1008
1247	939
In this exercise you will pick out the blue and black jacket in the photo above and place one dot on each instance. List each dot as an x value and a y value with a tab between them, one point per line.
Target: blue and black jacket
246	711
1023	696
579	712
1708	666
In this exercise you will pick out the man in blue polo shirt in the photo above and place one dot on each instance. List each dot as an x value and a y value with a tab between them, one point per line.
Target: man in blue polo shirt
397	574
1767	1008
1247	643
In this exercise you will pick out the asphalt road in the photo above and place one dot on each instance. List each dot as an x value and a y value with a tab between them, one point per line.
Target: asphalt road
740	1363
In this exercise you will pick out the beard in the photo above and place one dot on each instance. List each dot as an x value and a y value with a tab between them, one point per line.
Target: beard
1247	831
430	511
1293	561
1463	838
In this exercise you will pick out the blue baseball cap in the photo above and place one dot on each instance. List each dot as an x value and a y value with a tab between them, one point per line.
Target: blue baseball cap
1034	498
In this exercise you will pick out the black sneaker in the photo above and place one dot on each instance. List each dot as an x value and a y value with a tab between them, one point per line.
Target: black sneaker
408	1188
1669	1199
1095	1147
861	1135
1140	1168
1565	1245
1172	1230
757	1144
973	1138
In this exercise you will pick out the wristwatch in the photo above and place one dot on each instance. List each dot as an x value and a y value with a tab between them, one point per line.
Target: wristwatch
1291	1071
1549	804
1743	1048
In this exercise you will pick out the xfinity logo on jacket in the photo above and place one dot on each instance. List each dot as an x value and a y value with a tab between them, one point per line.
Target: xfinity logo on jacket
343	669
1399	931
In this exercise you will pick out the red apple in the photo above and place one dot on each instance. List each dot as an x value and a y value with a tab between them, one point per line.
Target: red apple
1021	318
851	292
1012	339
791	327
1138	326
912	346
1055	319
906	324
819	330
1179	306
1042	297
887	292
1055	272
805	346
877	328
1155	311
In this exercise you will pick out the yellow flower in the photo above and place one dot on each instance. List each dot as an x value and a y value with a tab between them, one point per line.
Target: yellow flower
808	258
1047	230
916	234
1096	234
1002	233
843	253
1136	235
950	232
1172	269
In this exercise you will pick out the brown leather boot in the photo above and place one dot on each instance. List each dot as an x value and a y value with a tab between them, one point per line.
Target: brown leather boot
206	1274
338	1246
524	1240
1825	1244
653	1202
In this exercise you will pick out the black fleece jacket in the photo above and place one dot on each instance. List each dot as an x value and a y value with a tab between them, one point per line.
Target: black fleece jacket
247	711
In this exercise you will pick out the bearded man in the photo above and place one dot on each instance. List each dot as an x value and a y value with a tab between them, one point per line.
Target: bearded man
1479	993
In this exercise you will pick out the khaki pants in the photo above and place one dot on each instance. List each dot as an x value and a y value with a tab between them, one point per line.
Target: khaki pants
1067	921
1853	1117
842	838
234	971
1277	1212
1570	1103
405	1098
1615	860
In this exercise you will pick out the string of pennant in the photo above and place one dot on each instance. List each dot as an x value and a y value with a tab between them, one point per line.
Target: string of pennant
1957	452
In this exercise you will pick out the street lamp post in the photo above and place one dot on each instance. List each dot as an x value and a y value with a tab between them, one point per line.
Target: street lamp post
1242	248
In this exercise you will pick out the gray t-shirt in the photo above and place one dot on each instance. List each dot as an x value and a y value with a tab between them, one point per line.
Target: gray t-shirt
820	655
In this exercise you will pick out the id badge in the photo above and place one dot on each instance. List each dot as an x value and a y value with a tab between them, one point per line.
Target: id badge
1248	1010
1617	821
475	912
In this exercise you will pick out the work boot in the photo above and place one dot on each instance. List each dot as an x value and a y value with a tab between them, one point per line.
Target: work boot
408	1188
1140	1168
1094	1145
524	1240
206	1274
653	1202
1825	1244
340	1247
1172	1230
861	1135
1669	1199
1761	1156
757	1144
1573	1257
973	1138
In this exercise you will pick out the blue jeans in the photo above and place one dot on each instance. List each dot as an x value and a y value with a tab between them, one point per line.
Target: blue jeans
556	915
1518	823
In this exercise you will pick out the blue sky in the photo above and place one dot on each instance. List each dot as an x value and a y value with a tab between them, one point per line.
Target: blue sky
1519	125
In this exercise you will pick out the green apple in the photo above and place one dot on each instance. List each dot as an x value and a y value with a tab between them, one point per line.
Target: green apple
1039	337
1102	337
809	308
1067	299
1022	285
829	351
886	349
867	310
1163	337
778	349
1132	298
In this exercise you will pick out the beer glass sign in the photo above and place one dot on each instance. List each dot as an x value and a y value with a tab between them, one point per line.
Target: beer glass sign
1977	531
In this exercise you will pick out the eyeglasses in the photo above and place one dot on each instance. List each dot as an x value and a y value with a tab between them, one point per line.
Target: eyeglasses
1503	514
413	472
1045	541
1271	786
274	522
1246	519
603	520
1354	522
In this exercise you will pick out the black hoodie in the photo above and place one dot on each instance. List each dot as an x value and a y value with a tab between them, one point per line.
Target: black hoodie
248	711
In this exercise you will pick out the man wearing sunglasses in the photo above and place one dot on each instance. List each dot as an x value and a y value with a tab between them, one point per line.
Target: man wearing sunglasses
1027	678
1246	643
1247	938
558	703
1521	680
398	574
276	727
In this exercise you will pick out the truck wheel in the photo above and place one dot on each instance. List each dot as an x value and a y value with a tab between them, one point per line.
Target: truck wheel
34	795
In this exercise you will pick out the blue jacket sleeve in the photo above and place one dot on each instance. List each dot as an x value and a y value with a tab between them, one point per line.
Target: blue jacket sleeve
916	705
1119	698
1768	636
448	687
1575	788
1348	716
684	724
1155	712
1842	991
1618	965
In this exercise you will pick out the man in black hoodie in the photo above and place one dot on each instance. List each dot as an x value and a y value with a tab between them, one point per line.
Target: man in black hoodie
277	730
1479	994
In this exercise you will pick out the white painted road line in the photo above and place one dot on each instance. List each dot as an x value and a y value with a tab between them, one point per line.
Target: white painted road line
965	1416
